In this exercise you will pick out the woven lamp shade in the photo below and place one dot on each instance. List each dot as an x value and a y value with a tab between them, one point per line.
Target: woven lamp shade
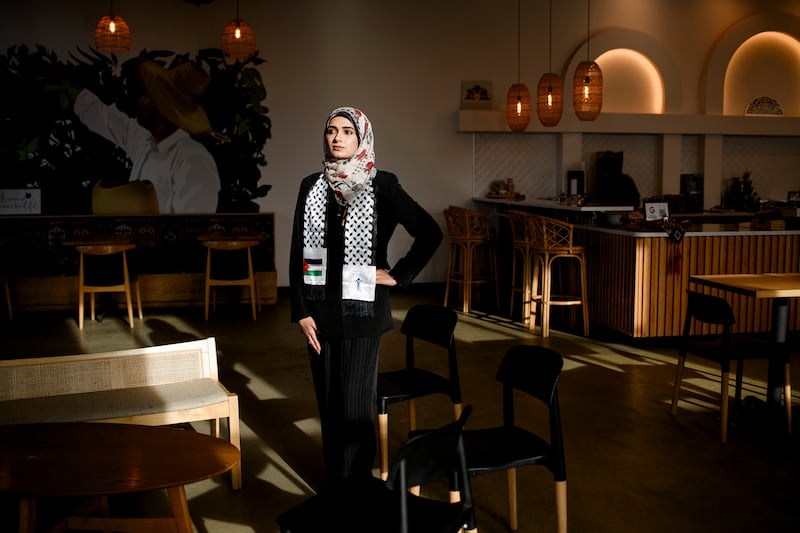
549	99
587	90
115	41
238	48
518	107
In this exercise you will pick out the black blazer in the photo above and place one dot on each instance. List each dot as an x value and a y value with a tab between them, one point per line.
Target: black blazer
394	206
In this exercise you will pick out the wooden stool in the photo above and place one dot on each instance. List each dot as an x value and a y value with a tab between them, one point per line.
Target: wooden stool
471	259
109	280
242	275
553	242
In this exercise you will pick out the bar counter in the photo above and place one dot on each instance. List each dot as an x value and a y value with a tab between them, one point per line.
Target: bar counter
638	278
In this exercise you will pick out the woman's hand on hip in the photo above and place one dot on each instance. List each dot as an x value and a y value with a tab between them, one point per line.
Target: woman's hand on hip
309	329
384	278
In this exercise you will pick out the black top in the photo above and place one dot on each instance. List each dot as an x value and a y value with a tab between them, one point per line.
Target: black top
394	206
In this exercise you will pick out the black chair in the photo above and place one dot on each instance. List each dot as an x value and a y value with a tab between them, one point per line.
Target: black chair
366	504
533	370
722	347
434	324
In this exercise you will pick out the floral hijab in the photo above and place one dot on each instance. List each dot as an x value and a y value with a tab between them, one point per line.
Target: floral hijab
349	177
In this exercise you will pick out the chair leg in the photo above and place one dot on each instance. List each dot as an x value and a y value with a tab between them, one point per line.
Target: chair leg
676	390
92	306
8	299
787	394
584	298
546	288
511	480
723	405
383	430
561	505
412	415
536	300
467	284
450	262
138	298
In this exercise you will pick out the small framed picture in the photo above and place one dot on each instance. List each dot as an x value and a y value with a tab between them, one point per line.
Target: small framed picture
656	211
793	196
476	94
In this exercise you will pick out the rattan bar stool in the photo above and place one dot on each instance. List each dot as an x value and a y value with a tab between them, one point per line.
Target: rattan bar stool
522	242
553	241
471	260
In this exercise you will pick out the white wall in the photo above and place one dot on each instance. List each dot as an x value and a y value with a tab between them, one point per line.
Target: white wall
401	62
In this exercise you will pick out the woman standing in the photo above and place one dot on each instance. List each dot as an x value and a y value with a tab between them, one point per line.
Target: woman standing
340	278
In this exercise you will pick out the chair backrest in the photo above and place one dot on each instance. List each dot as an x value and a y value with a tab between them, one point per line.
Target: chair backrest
522	227
535	370
435	324
132	198
552	234
708	309
430	456
465	223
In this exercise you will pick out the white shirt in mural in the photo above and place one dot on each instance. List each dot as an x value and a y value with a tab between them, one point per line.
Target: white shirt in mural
182	171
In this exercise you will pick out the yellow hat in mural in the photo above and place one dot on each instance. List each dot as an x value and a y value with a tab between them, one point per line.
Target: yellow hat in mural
176	93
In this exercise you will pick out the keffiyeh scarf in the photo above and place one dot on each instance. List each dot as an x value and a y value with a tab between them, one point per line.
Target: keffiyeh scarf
351	182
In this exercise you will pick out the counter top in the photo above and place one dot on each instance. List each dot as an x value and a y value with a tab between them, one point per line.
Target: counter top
552	204
697	230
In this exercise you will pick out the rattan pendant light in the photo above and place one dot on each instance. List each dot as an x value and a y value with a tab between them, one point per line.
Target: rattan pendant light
112	33
238	38
550	91
587	83
518	99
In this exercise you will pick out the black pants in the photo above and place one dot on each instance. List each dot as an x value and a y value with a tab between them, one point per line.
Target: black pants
345	379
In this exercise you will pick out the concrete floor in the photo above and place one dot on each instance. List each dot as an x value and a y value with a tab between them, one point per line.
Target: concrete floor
631	466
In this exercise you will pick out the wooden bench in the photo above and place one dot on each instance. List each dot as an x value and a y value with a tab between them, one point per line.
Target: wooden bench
155	385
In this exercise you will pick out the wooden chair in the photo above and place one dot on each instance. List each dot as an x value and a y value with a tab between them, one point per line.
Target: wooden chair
365	504
233	266
471	258
104	268
526	372
434	325
553	242
722	347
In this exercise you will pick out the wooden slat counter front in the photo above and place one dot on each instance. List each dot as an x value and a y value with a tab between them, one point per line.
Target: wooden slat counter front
638	279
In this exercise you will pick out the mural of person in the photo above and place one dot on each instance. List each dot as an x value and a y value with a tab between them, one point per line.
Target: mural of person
161	140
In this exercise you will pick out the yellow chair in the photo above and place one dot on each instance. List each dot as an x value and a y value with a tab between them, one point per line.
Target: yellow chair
471	259
553	242
106	274
131	198
227	273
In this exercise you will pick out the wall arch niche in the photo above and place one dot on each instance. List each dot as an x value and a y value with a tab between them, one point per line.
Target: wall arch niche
763	35
631	83
766	65
631	62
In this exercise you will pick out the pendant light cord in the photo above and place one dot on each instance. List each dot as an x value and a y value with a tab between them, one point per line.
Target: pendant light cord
550	37
588	13
519	26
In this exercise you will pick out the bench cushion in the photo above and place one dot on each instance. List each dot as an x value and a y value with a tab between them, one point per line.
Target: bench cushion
115	403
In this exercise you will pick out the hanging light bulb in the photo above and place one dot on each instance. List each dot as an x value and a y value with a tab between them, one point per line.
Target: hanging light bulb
238	38
550	91
112	33
587	83
518	99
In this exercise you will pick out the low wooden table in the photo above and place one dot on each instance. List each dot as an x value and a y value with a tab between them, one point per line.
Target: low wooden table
88	459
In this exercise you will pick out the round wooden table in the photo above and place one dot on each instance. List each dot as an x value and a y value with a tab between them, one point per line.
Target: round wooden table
98	459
